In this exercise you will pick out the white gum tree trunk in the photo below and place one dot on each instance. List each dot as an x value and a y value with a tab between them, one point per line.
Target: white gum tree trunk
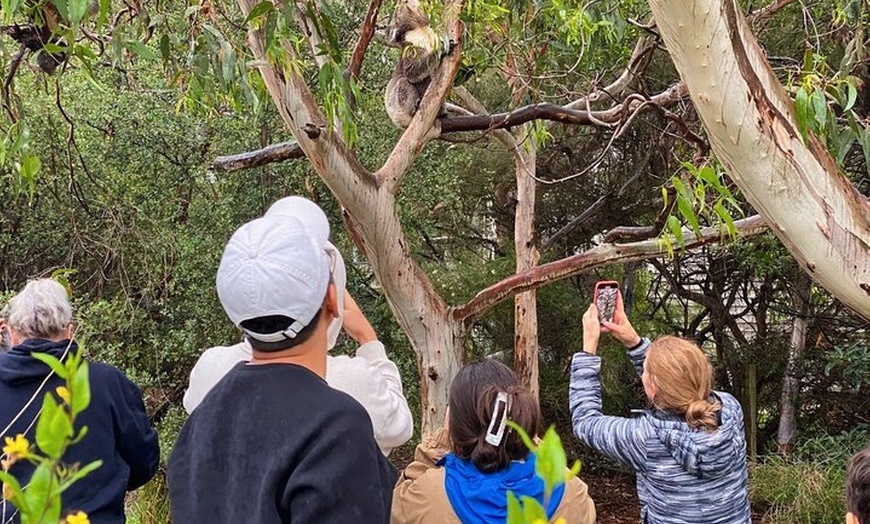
526	304
750	120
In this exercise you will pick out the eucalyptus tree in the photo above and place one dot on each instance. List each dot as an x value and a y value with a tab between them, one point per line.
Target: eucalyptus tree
314	75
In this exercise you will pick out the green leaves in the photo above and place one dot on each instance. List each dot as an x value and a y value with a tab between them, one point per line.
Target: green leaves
40	501
550	466
53	429
702	199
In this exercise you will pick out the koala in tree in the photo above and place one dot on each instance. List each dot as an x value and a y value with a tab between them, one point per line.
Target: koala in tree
419	57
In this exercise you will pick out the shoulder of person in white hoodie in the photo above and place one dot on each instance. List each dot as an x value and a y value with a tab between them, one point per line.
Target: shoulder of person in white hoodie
370	377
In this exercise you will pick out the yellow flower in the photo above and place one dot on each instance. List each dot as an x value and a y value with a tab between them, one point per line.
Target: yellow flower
560	520
78	518
63	393
18	447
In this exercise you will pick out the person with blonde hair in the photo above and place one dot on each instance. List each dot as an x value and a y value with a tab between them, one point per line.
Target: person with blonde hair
688	449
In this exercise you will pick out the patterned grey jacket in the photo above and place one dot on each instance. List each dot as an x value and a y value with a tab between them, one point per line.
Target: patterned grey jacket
684	475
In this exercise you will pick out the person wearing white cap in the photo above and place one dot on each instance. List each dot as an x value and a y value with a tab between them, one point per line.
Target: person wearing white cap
370	377
272	442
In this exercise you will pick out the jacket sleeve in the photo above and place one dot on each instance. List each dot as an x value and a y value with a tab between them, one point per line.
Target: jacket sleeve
342	476
413	493
136	439
374	381
576	505
209	369
638	355
622	439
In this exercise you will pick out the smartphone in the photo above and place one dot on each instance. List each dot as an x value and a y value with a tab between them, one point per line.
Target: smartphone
605	299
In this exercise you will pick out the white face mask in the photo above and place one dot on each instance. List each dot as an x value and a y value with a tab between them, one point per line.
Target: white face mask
339	279
5	341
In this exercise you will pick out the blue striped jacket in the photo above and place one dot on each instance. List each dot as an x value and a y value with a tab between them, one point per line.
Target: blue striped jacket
684	475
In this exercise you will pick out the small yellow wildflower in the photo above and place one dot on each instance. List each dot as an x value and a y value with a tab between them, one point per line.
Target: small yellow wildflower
63	393
18	447
78	518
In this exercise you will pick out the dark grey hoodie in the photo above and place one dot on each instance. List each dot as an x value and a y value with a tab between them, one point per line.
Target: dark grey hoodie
684	475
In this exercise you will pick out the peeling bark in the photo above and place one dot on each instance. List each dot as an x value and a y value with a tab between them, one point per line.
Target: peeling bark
526	304
809	204
791	378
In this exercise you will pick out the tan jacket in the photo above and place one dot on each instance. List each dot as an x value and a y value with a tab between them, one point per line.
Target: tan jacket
420	498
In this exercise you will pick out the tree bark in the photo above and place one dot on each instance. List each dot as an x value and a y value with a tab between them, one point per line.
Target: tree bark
791	378
526	304
751	122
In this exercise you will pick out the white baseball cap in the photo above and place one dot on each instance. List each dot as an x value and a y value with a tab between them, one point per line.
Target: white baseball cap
314	219
273	266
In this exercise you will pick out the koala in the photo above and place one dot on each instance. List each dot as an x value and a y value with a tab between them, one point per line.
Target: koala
419	57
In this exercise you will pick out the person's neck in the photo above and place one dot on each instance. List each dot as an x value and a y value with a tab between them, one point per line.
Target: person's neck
310	354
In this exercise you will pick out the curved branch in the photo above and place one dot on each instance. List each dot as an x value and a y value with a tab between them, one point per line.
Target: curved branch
598	256
260	157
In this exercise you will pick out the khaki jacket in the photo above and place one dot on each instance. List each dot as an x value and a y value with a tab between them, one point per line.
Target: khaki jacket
420	498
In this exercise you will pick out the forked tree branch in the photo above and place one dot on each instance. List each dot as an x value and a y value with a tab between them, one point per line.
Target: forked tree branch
598	256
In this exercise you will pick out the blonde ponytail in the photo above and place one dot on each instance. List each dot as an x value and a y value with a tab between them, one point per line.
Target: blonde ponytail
683	378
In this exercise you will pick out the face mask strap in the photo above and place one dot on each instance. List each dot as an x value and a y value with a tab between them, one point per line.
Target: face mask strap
500	409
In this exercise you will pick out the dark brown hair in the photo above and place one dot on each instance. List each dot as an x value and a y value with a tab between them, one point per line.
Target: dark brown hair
858	486
472	396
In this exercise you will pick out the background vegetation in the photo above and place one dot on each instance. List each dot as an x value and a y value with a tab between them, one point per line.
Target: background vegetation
125	197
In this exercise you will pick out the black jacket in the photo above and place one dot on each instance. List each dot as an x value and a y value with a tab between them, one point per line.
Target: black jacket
274	444
119	433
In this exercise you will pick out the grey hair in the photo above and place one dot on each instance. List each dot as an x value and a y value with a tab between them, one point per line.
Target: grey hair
40	310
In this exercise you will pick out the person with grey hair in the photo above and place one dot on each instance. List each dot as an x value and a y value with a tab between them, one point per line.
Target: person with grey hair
119	434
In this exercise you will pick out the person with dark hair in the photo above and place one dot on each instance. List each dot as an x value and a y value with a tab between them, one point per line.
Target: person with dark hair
858	488
272	442
369	376
464	473
689	449
118	430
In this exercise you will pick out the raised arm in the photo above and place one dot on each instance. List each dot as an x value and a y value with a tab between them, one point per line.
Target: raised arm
622	439
373	380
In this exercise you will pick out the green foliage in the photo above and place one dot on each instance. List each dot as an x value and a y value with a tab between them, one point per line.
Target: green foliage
809	488
852	362
705	199
39	502
551	466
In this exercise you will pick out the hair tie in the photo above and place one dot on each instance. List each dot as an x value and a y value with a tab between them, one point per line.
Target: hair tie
499	417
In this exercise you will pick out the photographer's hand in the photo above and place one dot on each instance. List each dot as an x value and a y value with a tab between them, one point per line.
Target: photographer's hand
591	330
621	328
355	323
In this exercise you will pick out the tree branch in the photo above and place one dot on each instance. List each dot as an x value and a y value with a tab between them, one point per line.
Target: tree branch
760	17
424	125
589	259
639	58
260	157
365	38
